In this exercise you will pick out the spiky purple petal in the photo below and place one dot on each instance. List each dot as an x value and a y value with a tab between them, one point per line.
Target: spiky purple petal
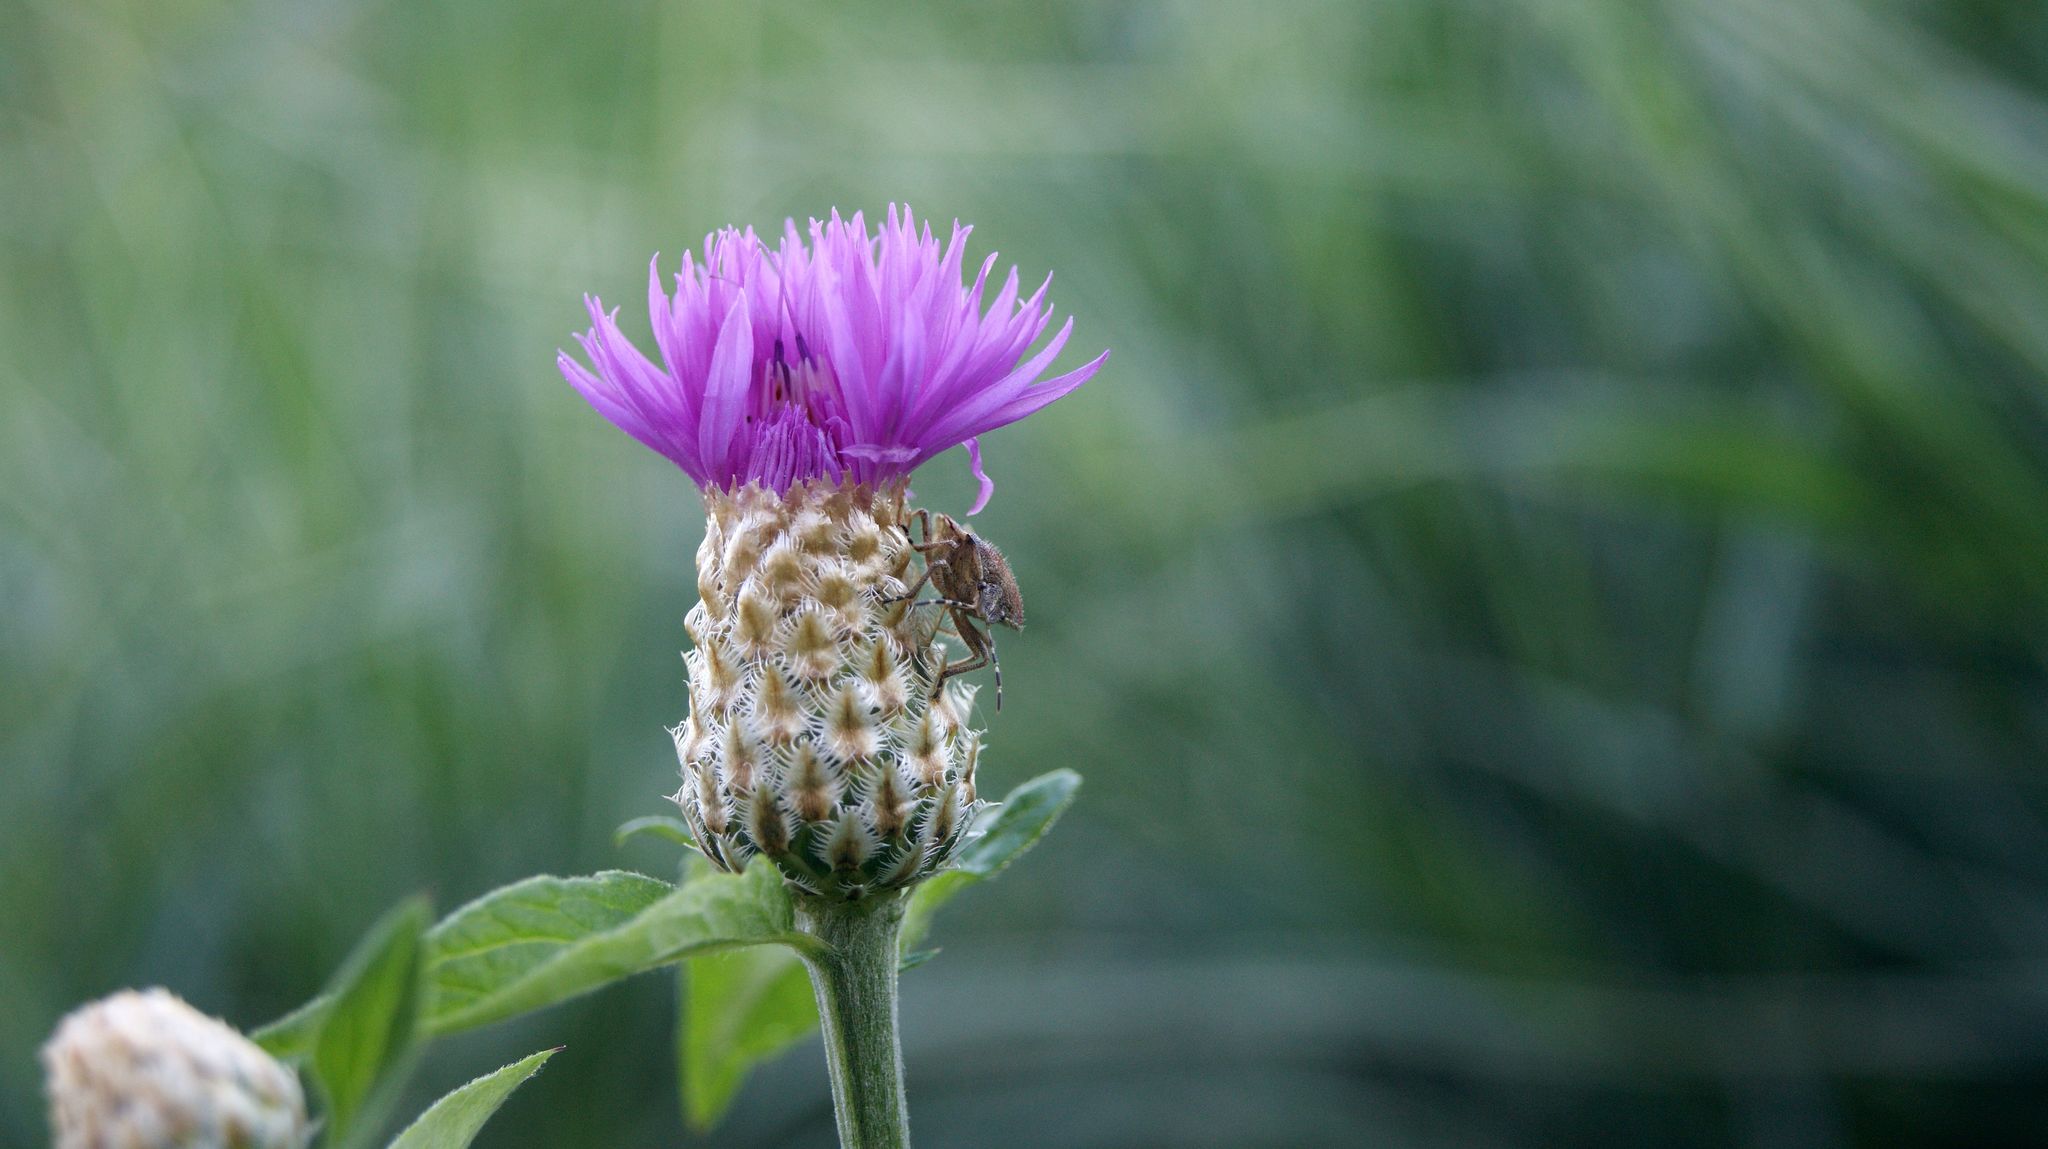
836	355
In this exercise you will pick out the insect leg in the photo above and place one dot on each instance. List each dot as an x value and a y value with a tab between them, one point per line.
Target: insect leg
919	584
977	644
924	519
952	668
952	602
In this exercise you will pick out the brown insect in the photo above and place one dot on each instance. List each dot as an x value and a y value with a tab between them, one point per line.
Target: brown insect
974	582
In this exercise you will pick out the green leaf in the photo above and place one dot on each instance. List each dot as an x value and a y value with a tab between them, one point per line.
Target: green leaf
671	829
493	938
925	902
744	1007
1014	827
453	1121
1018	824
740	1008
516	951
366	1034
290	1038
507	933
546	939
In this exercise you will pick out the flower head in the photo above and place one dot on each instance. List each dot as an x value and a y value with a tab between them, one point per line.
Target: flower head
821	734
146	1071
839	356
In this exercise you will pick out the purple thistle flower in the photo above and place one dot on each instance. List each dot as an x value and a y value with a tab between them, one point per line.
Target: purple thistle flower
849	357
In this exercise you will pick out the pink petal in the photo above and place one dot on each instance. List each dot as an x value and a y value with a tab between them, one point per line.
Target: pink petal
725	391
988	485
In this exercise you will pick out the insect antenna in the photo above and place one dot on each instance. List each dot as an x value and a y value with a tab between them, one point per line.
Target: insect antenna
997	663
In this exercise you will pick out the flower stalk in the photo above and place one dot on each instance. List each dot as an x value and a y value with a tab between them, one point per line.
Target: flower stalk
854	975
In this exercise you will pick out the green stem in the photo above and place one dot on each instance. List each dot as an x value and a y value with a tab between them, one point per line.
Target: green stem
854	975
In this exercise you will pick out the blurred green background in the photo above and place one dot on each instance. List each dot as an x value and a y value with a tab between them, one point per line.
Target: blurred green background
1548	594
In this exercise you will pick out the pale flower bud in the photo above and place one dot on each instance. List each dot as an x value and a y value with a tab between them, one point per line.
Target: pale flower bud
814	737
147	1071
